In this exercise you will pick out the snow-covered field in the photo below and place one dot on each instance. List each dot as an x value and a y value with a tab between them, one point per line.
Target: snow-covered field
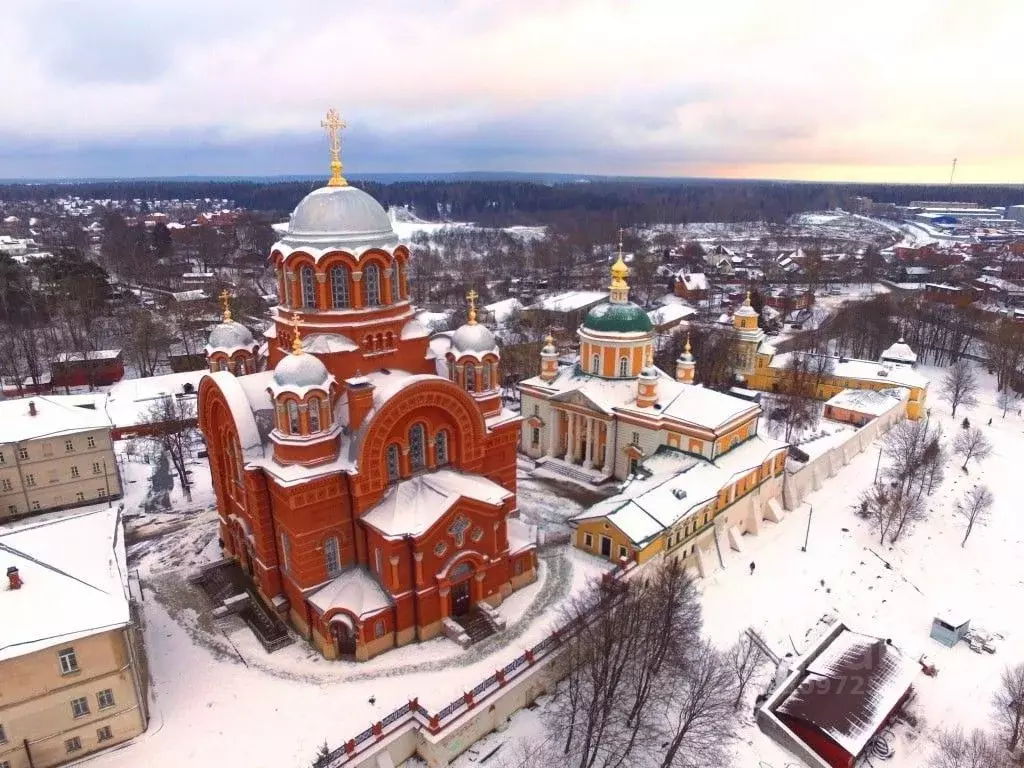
891	591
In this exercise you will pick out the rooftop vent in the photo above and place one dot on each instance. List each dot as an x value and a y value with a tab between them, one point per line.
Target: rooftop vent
13	579
31	407
679	493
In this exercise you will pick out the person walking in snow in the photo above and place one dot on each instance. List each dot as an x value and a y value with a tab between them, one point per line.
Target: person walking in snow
752	566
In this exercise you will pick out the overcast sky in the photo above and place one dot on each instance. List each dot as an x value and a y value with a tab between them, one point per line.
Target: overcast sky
797	89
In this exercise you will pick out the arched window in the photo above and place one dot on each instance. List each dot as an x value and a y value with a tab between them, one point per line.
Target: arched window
239	468
308	287
286	282
399	279
314	414
470	375
441	448
595	364
623	366
392	459
396	275
339	287
332	557
293	417
230	451
371	281
485	377
417	448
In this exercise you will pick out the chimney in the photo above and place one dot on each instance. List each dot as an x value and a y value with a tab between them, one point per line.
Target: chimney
13	579
360	401
31	407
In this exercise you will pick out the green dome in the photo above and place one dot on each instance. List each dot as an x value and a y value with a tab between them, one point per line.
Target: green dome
618	318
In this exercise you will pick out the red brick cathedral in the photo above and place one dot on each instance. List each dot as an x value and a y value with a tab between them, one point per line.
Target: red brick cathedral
365	471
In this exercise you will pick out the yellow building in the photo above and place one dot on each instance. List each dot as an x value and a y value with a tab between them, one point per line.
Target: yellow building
72	680
686	453
54	455
823	376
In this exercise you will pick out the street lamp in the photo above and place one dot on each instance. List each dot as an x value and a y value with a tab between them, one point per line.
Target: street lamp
807	536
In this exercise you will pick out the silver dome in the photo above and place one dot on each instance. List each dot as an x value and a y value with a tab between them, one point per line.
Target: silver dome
231	336
474	339
303	370
336	215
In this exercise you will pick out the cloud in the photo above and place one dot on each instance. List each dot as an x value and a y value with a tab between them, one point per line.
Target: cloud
652	87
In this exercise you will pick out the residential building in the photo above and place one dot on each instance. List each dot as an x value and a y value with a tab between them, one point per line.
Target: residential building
692	286
98	368
54	455
72	679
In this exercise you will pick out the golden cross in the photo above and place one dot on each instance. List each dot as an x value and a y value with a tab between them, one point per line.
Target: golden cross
333	124
620	242
296	336
224	298
471	297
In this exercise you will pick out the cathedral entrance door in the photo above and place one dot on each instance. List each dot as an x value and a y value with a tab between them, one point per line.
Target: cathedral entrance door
460	598
344	638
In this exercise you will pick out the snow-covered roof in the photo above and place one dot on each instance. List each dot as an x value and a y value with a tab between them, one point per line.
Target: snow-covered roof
75	581
473	339
850	688
693	281
521	536
677	485
412	506
128	402
670	313
246	396
865	370
414	329
900	352
328	343
568	301
502	310
868	401
53	417
355	591
98	354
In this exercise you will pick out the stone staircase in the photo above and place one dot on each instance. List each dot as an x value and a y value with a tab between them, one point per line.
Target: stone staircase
573	471
477	624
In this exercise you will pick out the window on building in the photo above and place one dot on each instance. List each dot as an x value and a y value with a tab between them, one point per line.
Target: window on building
417	448
376	560
30	480
6	484
105	698
80	706
104	733
393	466
35	505
90	442
286	547
371	285
395	277
636	438
74	744
623	366
96	468
308	287
378	628
68	661
441	448
74	471
100	493
535	437
80	496
3	734
595	363
69	446
470	377
332	557
3	459
22	452
622	552
339	287
314	414
588	540
12	509
399	279
293	417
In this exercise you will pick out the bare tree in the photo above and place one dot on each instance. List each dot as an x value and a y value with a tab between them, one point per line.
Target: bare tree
956	749
971	443
1005	400
960	385
146	339
745	659
877	506
171	423
1009	705
974	508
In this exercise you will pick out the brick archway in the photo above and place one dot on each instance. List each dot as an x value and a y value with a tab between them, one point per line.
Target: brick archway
405	408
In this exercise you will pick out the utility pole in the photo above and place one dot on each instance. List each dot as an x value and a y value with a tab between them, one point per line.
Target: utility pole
952	171
807	536
878	466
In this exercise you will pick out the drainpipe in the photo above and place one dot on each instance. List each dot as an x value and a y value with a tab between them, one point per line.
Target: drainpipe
28	754
415	597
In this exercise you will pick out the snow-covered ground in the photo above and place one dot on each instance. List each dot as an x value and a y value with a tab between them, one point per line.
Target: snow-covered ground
890	591
216	691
